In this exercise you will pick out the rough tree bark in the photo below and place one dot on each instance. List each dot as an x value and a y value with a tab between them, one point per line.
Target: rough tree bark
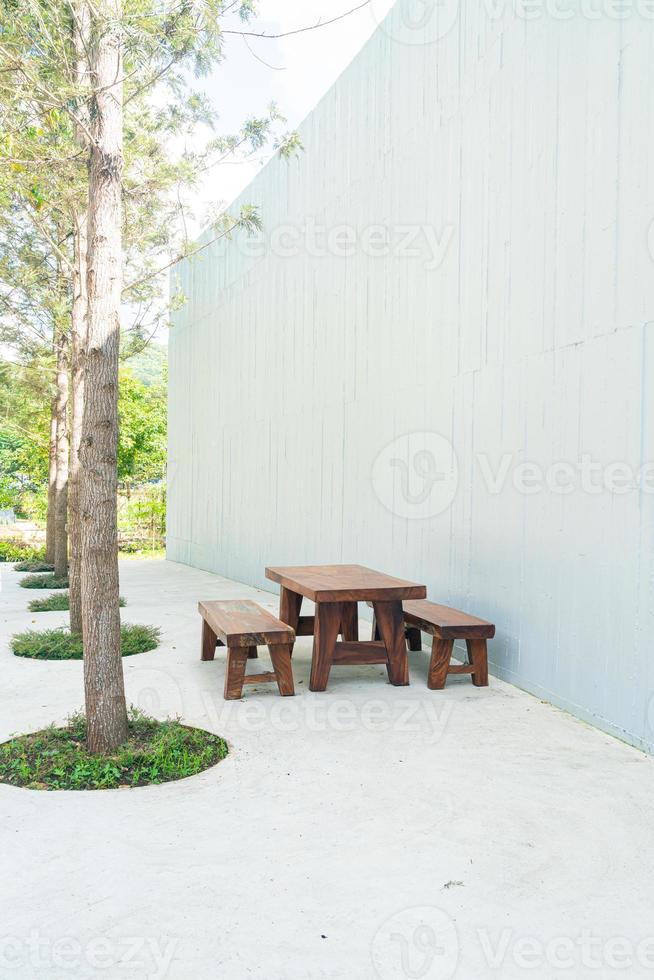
61	480
52	486
106	711
78	319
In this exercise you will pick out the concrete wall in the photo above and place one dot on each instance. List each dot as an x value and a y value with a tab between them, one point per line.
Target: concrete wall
318	376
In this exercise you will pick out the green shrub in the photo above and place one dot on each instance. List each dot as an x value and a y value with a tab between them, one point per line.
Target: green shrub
155	752
11	550
43	582
57	602
61	644
33	566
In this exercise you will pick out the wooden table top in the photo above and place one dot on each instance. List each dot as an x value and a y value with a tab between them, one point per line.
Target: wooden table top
344	583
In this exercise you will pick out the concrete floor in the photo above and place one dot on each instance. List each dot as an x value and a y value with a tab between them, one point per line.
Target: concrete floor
369	832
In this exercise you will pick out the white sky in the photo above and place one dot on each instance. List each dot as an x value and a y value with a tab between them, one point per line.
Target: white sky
305	66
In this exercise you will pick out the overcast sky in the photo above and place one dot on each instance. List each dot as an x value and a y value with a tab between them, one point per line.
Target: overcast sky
303	69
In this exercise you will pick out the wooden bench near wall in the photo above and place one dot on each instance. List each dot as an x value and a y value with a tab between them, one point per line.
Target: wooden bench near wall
445	625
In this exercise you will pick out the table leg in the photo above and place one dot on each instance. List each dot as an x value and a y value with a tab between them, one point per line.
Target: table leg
209	642
327	626
389	618
350	621
290	604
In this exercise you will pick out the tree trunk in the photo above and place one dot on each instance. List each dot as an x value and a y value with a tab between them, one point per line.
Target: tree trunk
106	711
52	487
61	483
77	414
81	43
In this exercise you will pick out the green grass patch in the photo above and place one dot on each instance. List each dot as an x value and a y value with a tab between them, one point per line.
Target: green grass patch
155	752
61	644
56	602
156	554
11	550
43	582
33	565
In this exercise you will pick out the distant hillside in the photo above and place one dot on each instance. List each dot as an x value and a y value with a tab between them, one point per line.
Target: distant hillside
149	366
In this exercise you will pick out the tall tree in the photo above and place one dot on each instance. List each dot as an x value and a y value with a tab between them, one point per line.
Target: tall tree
106	710
69	106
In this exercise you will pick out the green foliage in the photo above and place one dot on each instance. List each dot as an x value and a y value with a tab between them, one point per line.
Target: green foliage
33	566
57	602
142	410
142	519
141	452
155	752
169	143
45	581
19	551
24	420
149	365
151	554
61	644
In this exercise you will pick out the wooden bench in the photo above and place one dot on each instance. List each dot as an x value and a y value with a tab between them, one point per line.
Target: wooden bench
242	626
445	625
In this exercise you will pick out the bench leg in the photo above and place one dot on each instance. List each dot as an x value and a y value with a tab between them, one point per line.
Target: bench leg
280	654
376	635
478	657
237	658
290	604
253	653
414	637
441	653
209	642
350	621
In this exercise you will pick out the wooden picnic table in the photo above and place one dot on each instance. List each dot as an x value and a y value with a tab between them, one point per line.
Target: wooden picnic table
336	590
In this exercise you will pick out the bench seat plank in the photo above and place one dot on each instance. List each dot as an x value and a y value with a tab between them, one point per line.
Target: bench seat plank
445	622
243	623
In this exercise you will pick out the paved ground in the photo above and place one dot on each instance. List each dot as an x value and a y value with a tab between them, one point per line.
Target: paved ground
369	832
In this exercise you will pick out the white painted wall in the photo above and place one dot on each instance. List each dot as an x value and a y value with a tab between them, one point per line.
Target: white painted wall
526	148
